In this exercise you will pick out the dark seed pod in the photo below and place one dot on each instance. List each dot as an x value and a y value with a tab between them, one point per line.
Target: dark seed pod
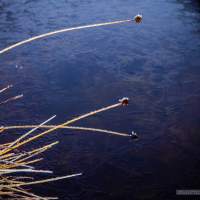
134	135
138	19
124	101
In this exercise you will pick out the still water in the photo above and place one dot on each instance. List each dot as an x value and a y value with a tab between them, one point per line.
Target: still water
156	64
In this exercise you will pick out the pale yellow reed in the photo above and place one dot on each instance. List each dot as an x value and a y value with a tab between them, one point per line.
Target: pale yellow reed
61	31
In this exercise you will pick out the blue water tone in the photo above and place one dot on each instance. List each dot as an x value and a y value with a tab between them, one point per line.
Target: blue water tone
156	64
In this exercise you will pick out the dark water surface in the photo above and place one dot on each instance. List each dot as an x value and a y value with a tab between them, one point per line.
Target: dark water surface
156	64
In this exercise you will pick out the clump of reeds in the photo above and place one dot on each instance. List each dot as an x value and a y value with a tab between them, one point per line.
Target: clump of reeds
14	161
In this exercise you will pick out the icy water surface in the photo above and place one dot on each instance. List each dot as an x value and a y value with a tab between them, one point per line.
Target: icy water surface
156	64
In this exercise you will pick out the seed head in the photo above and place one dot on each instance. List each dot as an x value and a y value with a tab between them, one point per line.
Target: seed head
138	18
134	135
124	101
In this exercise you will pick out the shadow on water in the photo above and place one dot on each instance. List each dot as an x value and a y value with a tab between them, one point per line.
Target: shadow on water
156	65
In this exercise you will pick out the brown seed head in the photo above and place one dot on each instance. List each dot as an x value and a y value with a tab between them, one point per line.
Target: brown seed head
124	101
138	19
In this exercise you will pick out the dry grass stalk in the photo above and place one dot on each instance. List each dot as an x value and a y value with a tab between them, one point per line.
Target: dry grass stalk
62	31
6	88
4	128
11	99
137	19
13	161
